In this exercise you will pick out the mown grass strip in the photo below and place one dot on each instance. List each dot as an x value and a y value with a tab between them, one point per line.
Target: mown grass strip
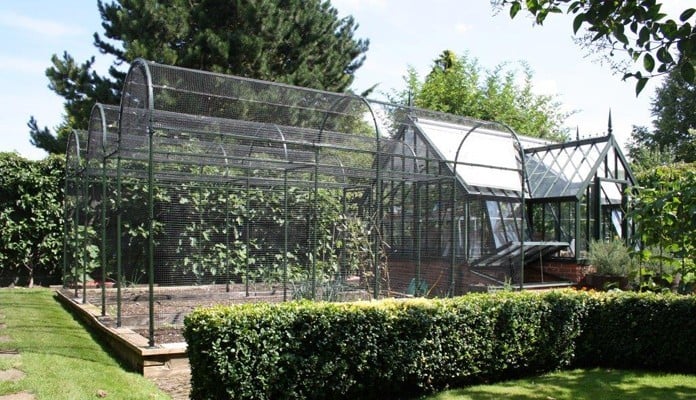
583	385
61	359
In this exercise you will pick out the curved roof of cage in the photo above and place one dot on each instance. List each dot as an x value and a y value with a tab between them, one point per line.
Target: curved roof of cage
75	152
187	118
155	87
194	116
102	133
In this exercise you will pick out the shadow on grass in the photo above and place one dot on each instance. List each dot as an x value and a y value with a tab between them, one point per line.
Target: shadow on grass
96	336
584	385
45	325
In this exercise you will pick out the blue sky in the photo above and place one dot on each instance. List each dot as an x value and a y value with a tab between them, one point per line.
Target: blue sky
401	32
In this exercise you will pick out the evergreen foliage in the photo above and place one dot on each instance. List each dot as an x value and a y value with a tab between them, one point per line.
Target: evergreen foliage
297	42
675	120
673	138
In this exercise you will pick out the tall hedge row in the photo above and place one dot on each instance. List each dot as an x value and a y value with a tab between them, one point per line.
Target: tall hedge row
31	219
639	330
383	349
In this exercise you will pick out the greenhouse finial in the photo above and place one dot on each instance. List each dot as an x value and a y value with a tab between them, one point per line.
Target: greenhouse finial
610	129
577	132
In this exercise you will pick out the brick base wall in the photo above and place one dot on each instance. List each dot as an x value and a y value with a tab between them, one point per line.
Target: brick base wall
436	275
571	271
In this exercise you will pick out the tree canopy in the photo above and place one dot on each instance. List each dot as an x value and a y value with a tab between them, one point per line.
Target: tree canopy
297	42
458	85
673	137
641	29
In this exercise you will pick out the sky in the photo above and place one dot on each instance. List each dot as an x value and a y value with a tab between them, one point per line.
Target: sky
402	33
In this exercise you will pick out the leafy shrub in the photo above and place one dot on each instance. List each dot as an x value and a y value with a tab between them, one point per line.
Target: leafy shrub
31	216
639	330
381	349
610	257
392	348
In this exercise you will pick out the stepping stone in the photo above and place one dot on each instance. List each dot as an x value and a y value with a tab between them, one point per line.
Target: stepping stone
18	396
5	354
5	339
11	374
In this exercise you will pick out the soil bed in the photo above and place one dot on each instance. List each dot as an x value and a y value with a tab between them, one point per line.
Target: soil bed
172	304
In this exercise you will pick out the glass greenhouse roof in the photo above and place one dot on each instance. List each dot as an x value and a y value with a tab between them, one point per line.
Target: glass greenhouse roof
565	170
482	157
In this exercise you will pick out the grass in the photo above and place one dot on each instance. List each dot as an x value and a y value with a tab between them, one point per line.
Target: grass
62	360
583	385
59	356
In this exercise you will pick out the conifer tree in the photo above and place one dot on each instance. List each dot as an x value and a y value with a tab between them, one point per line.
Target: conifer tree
299	42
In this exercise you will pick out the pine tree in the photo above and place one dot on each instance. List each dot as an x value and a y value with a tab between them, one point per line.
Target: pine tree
299	42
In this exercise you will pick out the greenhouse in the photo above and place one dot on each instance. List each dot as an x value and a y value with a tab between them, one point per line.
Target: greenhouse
257	191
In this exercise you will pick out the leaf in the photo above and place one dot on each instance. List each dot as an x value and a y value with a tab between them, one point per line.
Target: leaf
620	36
648	62
686	14
664	56
643	35
515	8
640	85
577	22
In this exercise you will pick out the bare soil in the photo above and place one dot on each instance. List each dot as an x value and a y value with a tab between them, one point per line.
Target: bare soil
18	396
12	375
172	305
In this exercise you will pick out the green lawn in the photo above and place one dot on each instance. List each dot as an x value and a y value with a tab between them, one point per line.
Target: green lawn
60	358
583	385
63	361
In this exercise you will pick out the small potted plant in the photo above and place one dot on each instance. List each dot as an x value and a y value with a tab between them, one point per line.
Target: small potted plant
612	262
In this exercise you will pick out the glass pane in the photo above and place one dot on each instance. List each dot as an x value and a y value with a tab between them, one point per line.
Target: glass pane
487	158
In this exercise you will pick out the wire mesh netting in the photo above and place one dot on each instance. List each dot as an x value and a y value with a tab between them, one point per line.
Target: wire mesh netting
203	188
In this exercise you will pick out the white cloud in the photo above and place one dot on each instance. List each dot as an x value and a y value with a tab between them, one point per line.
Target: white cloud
462	28
37	26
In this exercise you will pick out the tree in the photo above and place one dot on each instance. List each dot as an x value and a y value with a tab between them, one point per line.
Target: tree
31	216
639	28
674	135
458	85
663	209
675	120
297	42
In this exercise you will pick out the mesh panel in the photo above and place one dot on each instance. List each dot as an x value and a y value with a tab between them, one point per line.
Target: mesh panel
267	192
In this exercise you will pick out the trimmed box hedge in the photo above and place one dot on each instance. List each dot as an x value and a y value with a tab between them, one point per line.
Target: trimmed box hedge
384	349
403	348
639	331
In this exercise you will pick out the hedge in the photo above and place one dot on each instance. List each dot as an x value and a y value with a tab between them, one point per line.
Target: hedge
403	348
639	330
389	348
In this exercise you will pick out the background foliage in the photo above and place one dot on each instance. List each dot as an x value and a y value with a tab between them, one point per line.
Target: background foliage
664	209
298	42
458	85
31	219
639	29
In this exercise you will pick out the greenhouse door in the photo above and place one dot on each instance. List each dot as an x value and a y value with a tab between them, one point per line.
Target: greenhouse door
610	208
